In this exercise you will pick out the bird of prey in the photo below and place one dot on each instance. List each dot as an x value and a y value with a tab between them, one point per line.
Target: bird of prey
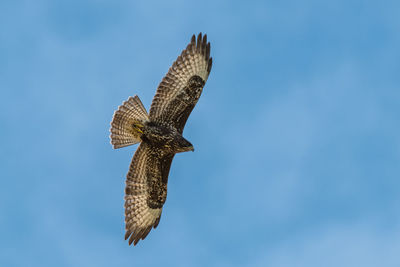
160	136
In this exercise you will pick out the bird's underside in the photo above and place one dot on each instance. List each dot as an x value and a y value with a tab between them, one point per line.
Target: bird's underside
160	136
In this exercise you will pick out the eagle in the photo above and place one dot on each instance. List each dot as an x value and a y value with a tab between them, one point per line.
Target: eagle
159	133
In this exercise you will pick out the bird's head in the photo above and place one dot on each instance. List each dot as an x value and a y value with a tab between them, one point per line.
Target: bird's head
182	145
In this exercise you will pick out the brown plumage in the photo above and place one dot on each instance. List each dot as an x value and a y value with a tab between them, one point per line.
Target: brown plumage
160	136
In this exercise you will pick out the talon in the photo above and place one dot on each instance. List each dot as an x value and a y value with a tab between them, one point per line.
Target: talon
138	127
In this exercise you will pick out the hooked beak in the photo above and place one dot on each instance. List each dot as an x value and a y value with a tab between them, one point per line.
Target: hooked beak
186	149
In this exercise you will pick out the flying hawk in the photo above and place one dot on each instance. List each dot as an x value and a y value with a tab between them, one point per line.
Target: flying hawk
160	136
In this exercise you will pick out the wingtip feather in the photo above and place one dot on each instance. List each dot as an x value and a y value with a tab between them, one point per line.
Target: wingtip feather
127	234
199	41
204	45
130	240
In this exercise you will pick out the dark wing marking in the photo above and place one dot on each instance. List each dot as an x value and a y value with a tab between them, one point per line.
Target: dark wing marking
157	171
145	192
181	87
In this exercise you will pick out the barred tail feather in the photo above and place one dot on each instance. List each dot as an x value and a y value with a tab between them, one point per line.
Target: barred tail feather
126	123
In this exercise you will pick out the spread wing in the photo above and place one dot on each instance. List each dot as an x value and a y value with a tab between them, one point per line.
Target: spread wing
181	87
145	192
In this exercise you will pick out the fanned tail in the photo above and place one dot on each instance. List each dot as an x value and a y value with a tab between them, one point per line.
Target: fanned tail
127	123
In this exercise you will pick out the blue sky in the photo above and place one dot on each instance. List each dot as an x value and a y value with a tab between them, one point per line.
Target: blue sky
296	134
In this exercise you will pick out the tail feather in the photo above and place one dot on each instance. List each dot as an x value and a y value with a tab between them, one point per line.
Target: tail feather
126	123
